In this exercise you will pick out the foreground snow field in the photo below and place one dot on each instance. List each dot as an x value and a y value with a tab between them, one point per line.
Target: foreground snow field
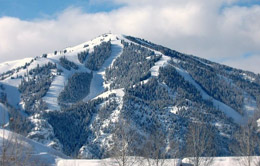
218	161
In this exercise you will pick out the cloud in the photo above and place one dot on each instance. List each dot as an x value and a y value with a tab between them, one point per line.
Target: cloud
213	29
250	63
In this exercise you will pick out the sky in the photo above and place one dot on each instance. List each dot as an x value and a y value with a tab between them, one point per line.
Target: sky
224	31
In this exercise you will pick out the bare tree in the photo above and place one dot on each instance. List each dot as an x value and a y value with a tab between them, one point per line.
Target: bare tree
246	142
200	144
158	147
14	151
154	149
121	152
175	152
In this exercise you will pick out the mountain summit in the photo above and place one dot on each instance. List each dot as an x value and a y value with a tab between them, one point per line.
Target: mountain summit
73	99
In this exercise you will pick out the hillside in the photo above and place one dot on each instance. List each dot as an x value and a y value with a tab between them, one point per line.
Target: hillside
73	99
25	151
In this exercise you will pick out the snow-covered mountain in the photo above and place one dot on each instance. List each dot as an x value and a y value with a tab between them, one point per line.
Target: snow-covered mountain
72	99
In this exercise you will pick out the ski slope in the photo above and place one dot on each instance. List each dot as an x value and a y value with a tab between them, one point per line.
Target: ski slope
97	85
230	112
161	63
4	67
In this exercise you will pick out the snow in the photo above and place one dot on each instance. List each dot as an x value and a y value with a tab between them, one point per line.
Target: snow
79	162
247	77
97	85
114	117
37	151
13	95
230	161
161	63
230	112
73	51
101	137
6	66
4	118
11	85
155	69
51	97
258	124
217	161
250	106
92	43
175	109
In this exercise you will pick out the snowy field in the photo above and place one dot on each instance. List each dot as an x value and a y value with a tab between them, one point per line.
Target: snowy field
218	161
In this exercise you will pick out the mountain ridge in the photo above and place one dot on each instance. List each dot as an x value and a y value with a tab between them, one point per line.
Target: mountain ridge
95	84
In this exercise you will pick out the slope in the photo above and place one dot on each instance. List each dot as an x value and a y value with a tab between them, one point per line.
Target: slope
26	151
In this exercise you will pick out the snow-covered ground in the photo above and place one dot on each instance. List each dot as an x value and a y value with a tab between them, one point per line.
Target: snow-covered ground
13	95
51	97
4	67
218	161
97	85
161	63
36	151
102	137
3	115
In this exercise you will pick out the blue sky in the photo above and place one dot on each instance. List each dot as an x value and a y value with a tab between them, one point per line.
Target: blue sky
35	9
225	31
247	3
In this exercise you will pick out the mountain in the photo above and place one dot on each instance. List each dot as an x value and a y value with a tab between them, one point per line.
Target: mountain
73	99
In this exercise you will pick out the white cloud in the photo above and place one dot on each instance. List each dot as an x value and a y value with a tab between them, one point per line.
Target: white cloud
200	27
250	63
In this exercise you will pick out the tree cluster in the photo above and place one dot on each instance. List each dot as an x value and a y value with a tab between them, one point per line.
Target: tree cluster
68	64
131	67
76	89
97	58
35	86
78	116
82	56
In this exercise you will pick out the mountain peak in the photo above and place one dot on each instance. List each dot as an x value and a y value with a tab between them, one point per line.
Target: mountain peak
96	84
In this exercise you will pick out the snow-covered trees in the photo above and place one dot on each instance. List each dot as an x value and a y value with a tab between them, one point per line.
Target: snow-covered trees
68	64
71	125
82	56
35	86
96	58
131	67
76	89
